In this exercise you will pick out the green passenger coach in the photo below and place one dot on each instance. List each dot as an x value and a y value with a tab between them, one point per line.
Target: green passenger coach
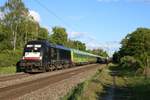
80	57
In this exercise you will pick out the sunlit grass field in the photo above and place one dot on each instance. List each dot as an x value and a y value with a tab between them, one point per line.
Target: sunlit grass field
8	60
8	70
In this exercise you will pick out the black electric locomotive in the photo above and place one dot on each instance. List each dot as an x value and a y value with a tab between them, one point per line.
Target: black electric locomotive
42	56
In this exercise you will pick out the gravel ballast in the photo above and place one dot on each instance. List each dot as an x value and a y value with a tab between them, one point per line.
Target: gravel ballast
57	90
36	76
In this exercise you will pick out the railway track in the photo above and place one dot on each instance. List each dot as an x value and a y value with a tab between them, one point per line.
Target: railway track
12	77
17	90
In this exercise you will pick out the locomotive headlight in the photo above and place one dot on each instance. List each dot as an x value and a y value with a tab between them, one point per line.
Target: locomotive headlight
35	48
40	57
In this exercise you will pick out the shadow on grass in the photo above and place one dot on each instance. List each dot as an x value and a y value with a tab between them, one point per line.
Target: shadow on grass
140	89
120	71
137	88
117	93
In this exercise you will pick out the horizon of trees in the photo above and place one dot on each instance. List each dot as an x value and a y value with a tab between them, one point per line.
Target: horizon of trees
17	27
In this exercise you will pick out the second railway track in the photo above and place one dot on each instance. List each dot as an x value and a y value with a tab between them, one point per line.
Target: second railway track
17	90
12	77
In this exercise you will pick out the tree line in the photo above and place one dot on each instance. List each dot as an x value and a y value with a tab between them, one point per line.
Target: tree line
17	27
135	50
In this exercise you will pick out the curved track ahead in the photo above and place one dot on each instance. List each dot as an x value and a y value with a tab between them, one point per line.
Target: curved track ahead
14	91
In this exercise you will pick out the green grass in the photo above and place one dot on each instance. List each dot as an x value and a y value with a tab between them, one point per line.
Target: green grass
7	70
96	85
128	86
138	86
89	89
8	60
76	92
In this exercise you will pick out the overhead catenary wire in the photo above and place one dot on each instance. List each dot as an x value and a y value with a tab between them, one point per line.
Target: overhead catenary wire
64	22
54	14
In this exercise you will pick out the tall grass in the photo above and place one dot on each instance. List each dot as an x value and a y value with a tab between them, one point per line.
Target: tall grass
128	86
76	92
8	70
89	89
8	60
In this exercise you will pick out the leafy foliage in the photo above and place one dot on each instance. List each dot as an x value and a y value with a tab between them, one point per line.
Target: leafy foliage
43	34
130	63
99	52
116	57
17	27
76	45
59	36
9	57
135	50
136	43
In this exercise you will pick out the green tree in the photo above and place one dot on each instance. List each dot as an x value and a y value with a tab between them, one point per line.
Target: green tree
136	45
79	45
99	52
14	12
116	57
59	36
29	29
130	63
43	34
76	45
4	37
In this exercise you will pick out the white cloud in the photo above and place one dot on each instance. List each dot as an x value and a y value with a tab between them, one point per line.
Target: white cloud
35	15
76	35
49	29
110	46
92	43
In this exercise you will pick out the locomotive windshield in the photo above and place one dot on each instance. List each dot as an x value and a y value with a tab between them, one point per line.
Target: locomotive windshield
32	51
33	48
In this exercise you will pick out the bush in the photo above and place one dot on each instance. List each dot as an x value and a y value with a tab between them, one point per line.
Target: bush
130	63
9	58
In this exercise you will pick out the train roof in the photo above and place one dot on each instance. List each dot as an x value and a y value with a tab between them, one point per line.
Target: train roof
61	47
44	42
84	53
39	42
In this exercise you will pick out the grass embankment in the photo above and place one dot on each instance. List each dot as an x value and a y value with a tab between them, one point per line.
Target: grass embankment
90	89
123	85
8	60
7	70
138	87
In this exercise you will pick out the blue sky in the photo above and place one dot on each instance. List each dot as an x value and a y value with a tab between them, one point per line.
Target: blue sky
98	23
